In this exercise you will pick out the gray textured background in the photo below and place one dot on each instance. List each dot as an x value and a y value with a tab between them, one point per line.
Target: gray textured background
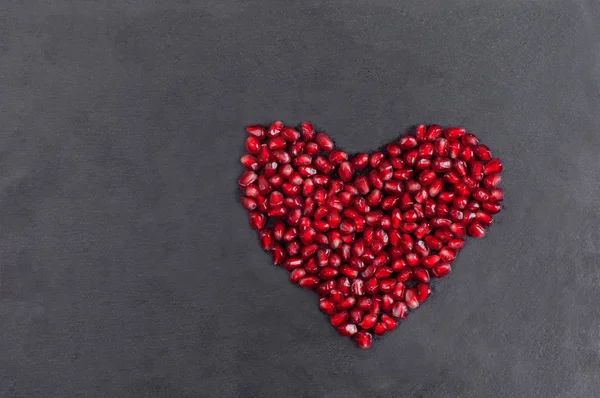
127	268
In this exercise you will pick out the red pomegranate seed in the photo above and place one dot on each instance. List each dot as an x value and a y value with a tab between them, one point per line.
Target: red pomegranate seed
347	329
252	144
454	148
356	314
466	154
339	318
456	243
277	143
308	133
390	323
494	166
423	292
447	255
376	158
496	195
327	306
363	339
430	261
454	133
476	230
400	310
257	220
256	130
483	152
421	274
469	140
492	181
411	298
358	287
368	321
324	142
393	150
275	129
421	132
360	161
309	282
407	142
491	207
404	275
441	270
484	218
433	132
379	329
279	256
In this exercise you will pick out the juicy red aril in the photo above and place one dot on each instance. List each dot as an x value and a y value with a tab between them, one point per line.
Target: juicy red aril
347	329
423	292
440	271
363	339
494	166
400	310
310	282
367	232
368	321
324	142
410	298
476	230
327	306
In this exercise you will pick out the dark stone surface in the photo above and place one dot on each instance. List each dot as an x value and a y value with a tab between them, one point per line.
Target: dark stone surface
128	268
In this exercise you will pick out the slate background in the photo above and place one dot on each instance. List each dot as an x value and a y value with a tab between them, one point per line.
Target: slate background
127	268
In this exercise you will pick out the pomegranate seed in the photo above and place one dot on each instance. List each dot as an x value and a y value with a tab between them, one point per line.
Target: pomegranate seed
490	207
494	166
368	321
256	131
423	292
476	230
469	140
327	306
358	287
336	296
482	152
441	270
492	181
379	329
356	314
447	255
376	158
421	274
400	310
279	256
252	144
275	129
411	298
454	133
309	282
484	218
324	142
312	148
363	339
433	132
456	243
347	329
339	318
496	195
257	220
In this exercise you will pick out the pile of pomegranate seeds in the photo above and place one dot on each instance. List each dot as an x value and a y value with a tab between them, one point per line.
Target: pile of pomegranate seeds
368	232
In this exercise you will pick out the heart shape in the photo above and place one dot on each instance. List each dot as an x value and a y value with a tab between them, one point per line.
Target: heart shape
368	232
